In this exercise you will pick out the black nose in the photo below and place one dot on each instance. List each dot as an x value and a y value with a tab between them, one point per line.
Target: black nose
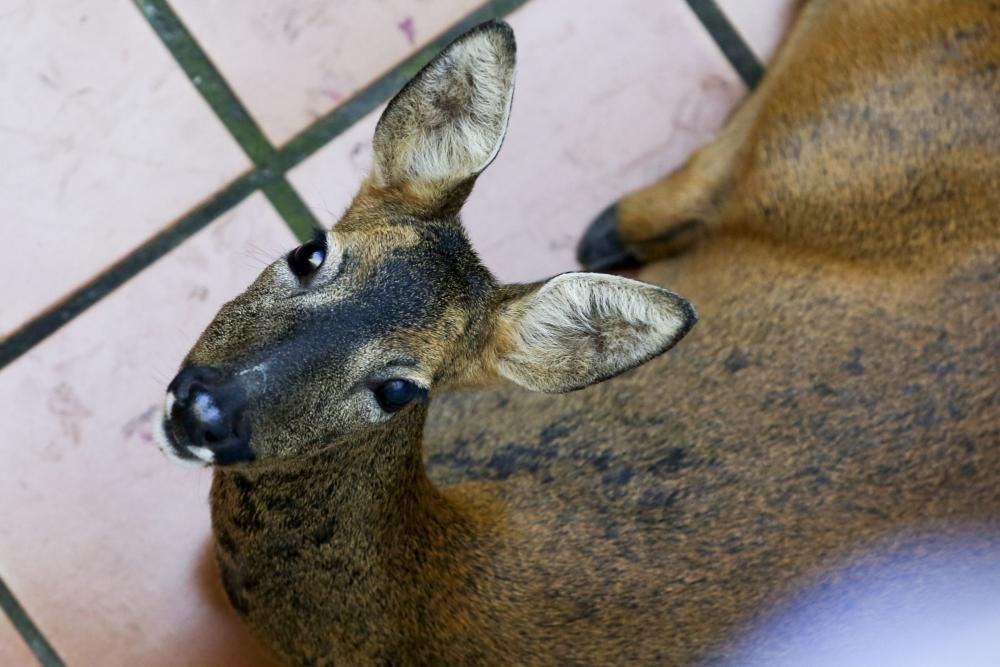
208	412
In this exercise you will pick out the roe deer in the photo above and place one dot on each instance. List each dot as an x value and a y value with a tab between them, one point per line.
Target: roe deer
839	392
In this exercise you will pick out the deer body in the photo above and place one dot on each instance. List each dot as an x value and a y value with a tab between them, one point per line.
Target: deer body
610	529
840	391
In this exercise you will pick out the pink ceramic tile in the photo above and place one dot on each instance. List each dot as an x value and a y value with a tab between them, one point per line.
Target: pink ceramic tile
104	141
291	61
13	651
329	180
761	23
103	539
609	97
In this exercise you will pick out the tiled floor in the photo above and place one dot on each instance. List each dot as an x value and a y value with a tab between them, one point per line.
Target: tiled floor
104	550
107	145
314	54
104	545
13	651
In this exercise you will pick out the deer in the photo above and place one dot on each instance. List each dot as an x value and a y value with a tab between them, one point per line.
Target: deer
838	238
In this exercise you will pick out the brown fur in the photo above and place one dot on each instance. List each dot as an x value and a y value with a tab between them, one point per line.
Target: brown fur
841	391
873	136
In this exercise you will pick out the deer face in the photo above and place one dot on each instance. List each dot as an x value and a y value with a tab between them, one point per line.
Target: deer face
356	325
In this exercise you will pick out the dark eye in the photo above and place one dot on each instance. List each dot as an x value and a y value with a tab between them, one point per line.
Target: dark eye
395	394
308	257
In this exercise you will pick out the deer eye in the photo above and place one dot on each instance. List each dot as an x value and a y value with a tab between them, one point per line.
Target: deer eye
308	257
395	394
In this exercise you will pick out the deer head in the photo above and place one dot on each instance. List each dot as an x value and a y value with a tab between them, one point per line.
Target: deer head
351	328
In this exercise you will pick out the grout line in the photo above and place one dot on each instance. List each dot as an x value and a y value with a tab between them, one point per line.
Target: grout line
293	210
62	312
215	90
206	78
729	41
300	147
29	632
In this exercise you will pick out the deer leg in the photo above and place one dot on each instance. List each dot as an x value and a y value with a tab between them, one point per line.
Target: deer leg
674	213
671	215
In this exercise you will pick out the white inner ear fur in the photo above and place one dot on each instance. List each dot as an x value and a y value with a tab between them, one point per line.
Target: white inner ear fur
450	123
465	144
581	328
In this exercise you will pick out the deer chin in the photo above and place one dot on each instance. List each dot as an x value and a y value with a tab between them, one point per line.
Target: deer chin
189	457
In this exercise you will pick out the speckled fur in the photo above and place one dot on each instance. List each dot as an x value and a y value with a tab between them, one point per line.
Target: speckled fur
841	389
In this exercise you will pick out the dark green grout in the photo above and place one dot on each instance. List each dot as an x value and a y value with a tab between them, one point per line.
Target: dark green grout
29	632
299	148
85	296
213	87
729	41
293	210
206	78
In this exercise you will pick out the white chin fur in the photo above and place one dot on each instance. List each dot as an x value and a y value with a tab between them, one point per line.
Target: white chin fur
162	441
203	453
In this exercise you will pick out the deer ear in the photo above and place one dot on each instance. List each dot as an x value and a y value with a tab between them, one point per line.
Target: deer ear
446	125
581	328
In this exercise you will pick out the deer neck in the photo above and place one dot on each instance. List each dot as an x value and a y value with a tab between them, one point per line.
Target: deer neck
370	488
355	536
